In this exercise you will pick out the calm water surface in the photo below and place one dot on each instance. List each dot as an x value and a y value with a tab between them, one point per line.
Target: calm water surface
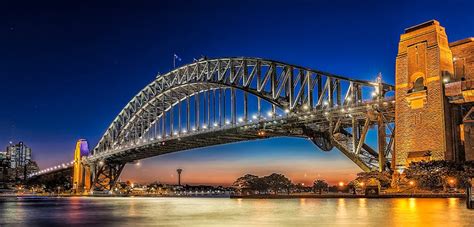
234	212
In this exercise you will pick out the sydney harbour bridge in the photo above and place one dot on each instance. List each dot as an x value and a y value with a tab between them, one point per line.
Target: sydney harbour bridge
227	100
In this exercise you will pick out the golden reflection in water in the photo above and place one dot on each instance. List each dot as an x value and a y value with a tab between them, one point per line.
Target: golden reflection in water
302	201
341	209
362	202
430	212
131	210
412	204
239	201
362	209
453	202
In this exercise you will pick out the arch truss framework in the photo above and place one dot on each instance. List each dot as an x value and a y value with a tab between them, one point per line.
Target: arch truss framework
219	101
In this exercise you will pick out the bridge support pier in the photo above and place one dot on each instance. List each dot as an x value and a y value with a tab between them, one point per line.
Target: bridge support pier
106	176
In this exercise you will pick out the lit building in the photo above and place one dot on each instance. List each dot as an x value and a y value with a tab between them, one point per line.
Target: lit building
19	155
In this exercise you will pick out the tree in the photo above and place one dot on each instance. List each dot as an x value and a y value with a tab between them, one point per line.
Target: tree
383	177
320	185
436	174
251	182
277	182
274	181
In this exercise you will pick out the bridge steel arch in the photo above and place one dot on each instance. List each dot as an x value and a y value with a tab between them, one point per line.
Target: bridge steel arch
331	110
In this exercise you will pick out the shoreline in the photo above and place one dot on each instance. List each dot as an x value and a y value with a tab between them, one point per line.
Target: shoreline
280	196
336	196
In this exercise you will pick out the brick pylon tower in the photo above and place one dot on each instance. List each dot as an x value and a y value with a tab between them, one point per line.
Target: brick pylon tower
422	121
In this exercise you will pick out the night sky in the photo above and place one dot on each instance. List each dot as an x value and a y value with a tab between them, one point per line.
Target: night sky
67	68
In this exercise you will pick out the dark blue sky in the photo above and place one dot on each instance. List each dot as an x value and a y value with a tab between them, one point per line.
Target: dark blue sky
68	67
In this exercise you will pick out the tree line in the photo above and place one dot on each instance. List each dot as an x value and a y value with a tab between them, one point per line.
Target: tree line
273	184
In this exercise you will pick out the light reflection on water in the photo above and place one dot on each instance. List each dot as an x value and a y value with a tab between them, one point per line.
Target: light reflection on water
235	212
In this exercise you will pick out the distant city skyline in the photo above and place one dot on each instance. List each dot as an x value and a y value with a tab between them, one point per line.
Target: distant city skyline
66	71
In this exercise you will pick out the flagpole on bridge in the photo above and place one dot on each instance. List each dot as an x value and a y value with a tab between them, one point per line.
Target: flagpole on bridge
175	57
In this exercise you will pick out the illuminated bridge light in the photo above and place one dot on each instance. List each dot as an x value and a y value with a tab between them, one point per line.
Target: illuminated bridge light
215	124
194	129
254	116
204	126
241	119
227	122
287	110
270	113
325	103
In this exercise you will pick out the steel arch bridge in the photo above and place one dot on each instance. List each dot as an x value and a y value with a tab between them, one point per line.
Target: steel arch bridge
226	100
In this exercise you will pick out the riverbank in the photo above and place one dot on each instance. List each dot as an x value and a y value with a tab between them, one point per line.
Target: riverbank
260	196
342	195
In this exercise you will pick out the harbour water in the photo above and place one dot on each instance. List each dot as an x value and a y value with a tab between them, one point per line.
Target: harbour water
233	212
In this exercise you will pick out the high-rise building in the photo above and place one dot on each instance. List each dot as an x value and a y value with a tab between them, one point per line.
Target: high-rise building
19	155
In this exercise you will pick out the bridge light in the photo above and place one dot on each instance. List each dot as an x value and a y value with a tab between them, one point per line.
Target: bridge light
343	110
175	133
194	129
270	113
184	131
350	109
163	143
305	107
215	124
159	137
349	99
227	122
325	103
326	113
101	163
241	119
374	94
204	126
254	116
287	110
446	80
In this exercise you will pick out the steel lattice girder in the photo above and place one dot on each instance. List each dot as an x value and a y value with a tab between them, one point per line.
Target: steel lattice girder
283	85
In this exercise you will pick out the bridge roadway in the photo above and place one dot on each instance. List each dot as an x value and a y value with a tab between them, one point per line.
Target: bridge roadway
292	125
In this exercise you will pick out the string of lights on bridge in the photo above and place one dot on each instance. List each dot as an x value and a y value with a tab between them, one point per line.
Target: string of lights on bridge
53	169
